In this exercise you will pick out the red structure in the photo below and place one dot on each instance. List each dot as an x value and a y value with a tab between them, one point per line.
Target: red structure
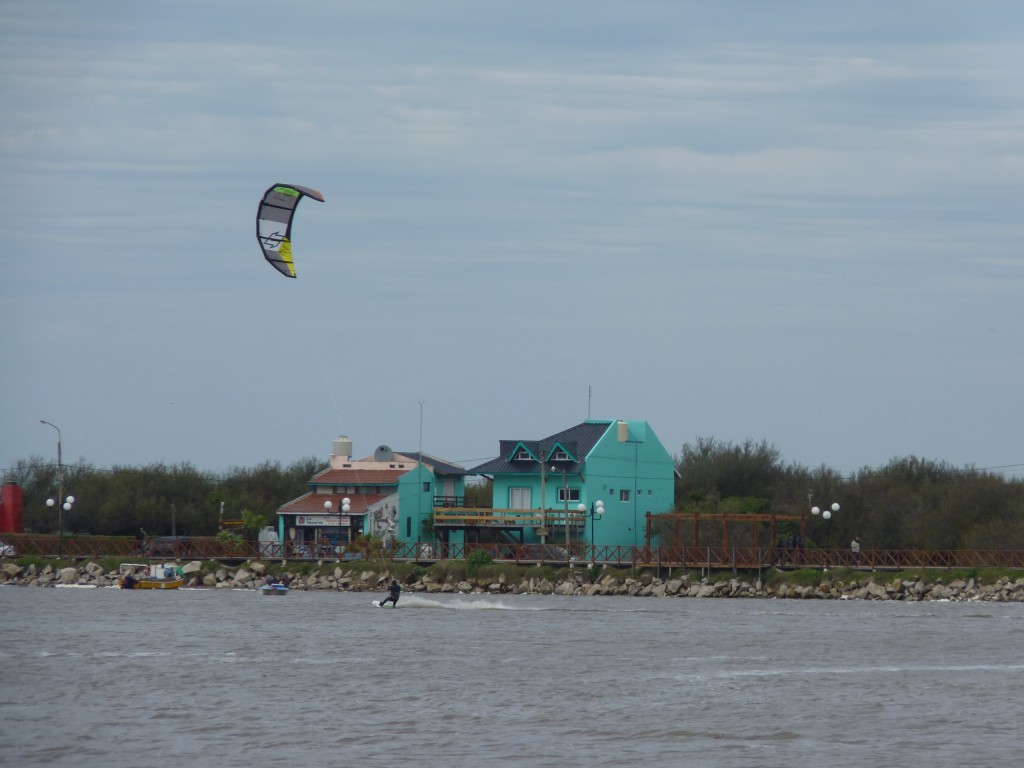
10	508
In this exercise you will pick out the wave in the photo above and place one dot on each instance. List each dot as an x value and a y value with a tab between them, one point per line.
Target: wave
465	604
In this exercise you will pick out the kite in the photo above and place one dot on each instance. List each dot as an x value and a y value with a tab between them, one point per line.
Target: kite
274	223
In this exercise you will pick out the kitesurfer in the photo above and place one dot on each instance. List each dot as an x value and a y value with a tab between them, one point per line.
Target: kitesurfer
393	592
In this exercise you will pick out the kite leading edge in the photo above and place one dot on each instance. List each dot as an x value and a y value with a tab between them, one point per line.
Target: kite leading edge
274	223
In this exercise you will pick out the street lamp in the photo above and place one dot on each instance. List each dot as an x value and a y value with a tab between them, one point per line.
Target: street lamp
596	510
65	504
565	501
826	514
346	507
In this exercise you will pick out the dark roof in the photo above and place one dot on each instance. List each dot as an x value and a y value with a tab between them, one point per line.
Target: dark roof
576	441
440	466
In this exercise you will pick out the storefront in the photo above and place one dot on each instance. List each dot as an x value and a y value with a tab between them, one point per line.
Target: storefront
322	535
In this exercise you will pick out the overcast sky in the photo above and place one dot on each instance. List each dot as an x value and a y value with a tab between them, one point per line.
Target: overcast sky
796	222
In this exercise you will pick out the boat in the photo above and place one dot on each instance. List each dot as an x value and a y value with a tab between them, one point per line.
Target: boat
274	589
143	576
153	582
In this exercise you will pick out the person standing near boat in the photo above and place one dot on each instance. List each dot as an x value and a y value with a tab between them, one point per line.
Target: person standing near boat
140	540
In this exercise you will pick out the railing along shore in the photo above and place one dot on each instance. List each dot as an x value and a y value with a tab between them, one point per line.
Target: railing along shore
577	554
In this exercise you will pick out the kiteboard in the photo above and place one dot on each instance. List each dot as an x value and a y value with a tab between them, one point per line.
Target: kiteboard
377	604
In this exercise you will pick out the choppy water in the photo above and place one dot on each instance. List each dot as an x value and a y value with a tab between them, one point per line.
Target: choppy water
230	678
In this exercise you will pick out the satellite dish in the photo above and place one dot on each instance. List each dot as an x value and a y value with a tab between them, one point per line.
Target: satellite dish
383	453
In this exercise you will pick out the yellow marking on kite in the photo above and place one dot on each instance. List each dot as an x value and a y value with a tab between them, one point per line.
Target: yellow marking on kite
285	252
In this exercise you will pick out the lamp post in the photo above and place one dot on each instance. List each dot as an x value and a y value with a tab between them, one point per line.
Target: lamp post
826	514
346	507
565	501
596	510
327	509
61	502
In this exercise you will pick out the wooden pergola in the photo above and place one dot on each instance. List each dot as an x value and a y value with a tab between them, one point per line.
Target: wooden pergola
753	519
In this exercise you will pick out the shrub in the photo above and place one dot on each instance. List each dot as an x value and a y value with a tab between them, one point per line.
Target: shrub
478	559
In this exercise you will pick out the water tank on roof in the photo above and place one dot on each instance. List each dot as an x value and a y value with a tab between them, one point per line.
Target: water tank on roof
342	447
383	453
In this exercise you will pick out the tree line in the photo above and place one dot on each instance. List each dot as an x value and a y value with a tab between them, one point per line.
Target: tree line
158	497
909	503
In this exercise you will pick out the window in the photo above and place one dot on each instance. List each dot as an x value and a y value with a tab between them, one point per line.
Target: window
624	495
560	455
573	494
408	527
522	455
519	498
426	486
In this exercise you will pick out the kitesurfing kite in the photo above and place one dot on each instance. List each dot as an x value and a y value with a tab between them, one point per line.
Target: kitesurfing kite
274	223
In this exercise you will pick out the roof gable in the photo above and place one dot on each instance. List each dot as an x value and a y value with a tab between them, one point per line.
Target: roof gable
575	443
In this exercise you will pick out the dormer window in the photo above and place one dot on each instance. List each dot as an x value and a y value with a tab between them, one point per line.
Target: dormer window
560	455
522	455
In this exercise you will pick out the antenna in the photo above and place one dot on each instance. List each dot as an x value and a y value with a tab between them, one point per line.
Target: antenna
590	396
421	429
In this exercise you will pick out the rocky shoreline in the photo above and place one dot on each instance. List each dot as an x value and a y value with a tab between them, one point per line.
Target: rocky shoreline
869	586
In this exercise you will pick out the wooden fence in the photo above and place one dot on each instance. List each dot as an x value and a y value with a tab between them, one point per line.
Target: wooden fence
720	557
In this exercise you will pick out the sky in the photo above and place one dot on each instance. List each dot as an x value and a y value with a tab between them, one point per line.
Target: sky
796	222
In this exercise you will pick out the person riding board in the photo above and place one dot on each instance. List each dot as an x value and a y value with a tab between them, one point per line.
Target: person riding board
393	592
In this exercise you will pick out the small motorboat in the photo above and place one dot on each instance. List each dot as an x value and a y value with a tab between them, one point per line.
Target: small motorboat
153	582
274	589
136	576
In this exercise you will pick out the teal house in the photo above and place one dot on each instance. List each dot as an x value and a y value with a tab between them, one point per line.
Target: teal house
591	484
389	494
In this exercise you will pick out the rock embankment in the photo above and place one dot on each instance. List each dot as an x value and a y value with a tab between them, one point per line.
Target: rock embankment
872	586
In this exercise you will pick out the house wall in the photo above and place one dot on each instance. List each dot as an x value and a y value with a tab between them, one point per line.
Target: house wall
416	504
640	465
637	463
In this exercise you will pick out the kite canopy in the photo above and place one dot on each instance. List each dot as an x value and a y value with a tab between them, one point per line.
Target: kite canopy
274	223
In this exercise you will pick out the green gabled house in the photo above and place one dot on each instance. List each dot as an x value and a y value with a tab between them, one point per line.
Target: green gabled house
591	484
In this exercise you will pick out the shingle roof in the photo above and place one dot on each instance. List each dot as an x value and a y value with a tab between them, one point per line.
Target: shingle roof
358	477
440	466
577	440
313	503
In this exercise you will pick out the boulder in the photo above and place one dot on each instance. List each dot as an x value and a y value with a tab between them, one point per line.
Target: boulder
565	588
194	567
68	576
877	591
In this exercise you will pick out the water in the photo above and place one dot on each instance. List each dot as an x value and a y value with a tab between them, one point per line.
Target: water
231	678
